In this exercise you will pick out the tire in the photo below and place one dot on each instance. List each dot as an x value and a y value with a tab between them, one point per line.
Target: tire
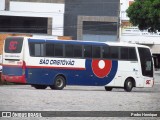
108	88
59	83
39	86
128	85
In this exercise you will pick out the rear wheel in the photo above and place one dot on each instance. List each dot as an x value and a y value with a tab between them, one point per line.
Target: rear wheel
108	88
59	83
128	85
39	86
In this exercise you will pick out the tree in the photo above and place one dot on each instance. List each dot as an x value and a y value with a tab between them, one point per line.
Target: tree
145	14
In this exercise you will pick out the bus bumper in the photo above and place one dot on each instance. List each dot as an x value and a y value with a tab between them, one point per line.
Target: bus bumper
14	79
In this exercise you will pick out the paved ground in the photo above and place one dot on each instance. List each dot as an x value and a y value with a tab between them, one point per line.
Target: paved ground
79	98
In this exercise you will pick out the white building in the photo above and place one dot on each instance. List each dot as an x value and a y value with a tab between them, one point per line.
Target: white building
51	13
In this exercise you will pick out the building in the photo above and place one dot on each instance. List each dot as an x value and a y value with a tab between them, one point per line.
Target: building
77	18
95	20
32	16
132	34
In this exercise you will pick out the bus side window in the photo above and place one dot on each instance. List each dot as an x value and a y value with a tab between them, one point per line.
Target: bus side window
128	53
58	50
114	51
49	50
68	50
132	54
124	53
106	52
36	49
77	51
31	49
96	51
87	51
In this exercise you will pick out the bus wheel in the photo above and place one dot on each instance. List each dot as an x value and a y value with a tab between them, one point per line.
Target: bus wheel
108	88
128	85
59	83
39	86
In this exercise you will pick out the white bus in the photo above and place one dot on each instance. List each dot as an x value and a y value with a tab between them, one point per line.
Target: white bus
57	63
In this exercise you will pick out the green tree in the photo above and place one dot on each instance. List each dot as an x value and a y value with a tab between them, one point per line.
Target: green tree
145	14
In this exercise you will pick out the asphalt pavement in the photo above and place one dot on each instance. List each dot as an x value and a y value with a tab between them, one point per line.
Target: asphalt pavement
80	98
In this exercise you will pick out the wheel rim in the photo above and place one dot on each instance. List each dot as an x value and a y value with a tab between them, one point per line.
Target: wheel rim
59	82
129	84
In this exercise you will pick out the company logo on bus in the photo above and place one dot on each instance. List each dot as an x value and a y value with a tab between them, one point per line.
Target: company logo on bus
148	82
101	68
13	45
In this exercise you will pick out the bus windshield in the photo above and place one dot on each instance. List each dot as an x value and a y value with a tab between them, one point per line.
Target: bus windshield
146	62
13	44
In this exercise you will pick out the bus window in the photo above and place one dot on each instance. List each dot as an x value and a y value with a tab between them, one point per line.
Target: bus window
132	54
49	50
148	65
128	53
68	50
124	53
146	62
36	49
77	51
96	51
58	50
114	50
13	44
87	51
106	52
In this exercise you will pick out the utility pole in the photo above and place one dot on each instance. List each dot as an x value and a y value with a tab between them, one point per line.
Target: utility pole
7	5
118	22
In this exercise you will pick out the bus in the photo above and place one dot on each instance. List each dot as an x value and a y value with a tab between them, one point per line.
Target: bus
44	63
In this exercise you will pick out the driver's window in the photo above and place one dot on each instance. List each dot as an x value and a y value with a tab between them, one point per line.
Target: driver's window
148	66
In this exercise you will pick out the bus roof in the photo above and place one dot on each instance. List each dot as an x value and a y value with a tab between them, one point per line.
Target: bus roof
89	42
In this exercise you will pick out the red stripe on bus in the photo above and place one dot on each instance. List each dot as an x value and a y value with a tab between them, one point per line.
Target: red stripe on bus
66	68
14	79
70	68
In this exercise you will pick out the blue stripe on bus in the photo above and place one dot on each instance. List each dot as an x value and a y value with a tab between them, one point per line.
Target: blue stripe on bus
66	42
10	70
46	76
36	40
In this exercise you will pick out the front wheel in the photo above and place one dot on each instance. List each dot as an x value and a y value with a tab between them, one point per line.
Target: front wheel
128	85
59	83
